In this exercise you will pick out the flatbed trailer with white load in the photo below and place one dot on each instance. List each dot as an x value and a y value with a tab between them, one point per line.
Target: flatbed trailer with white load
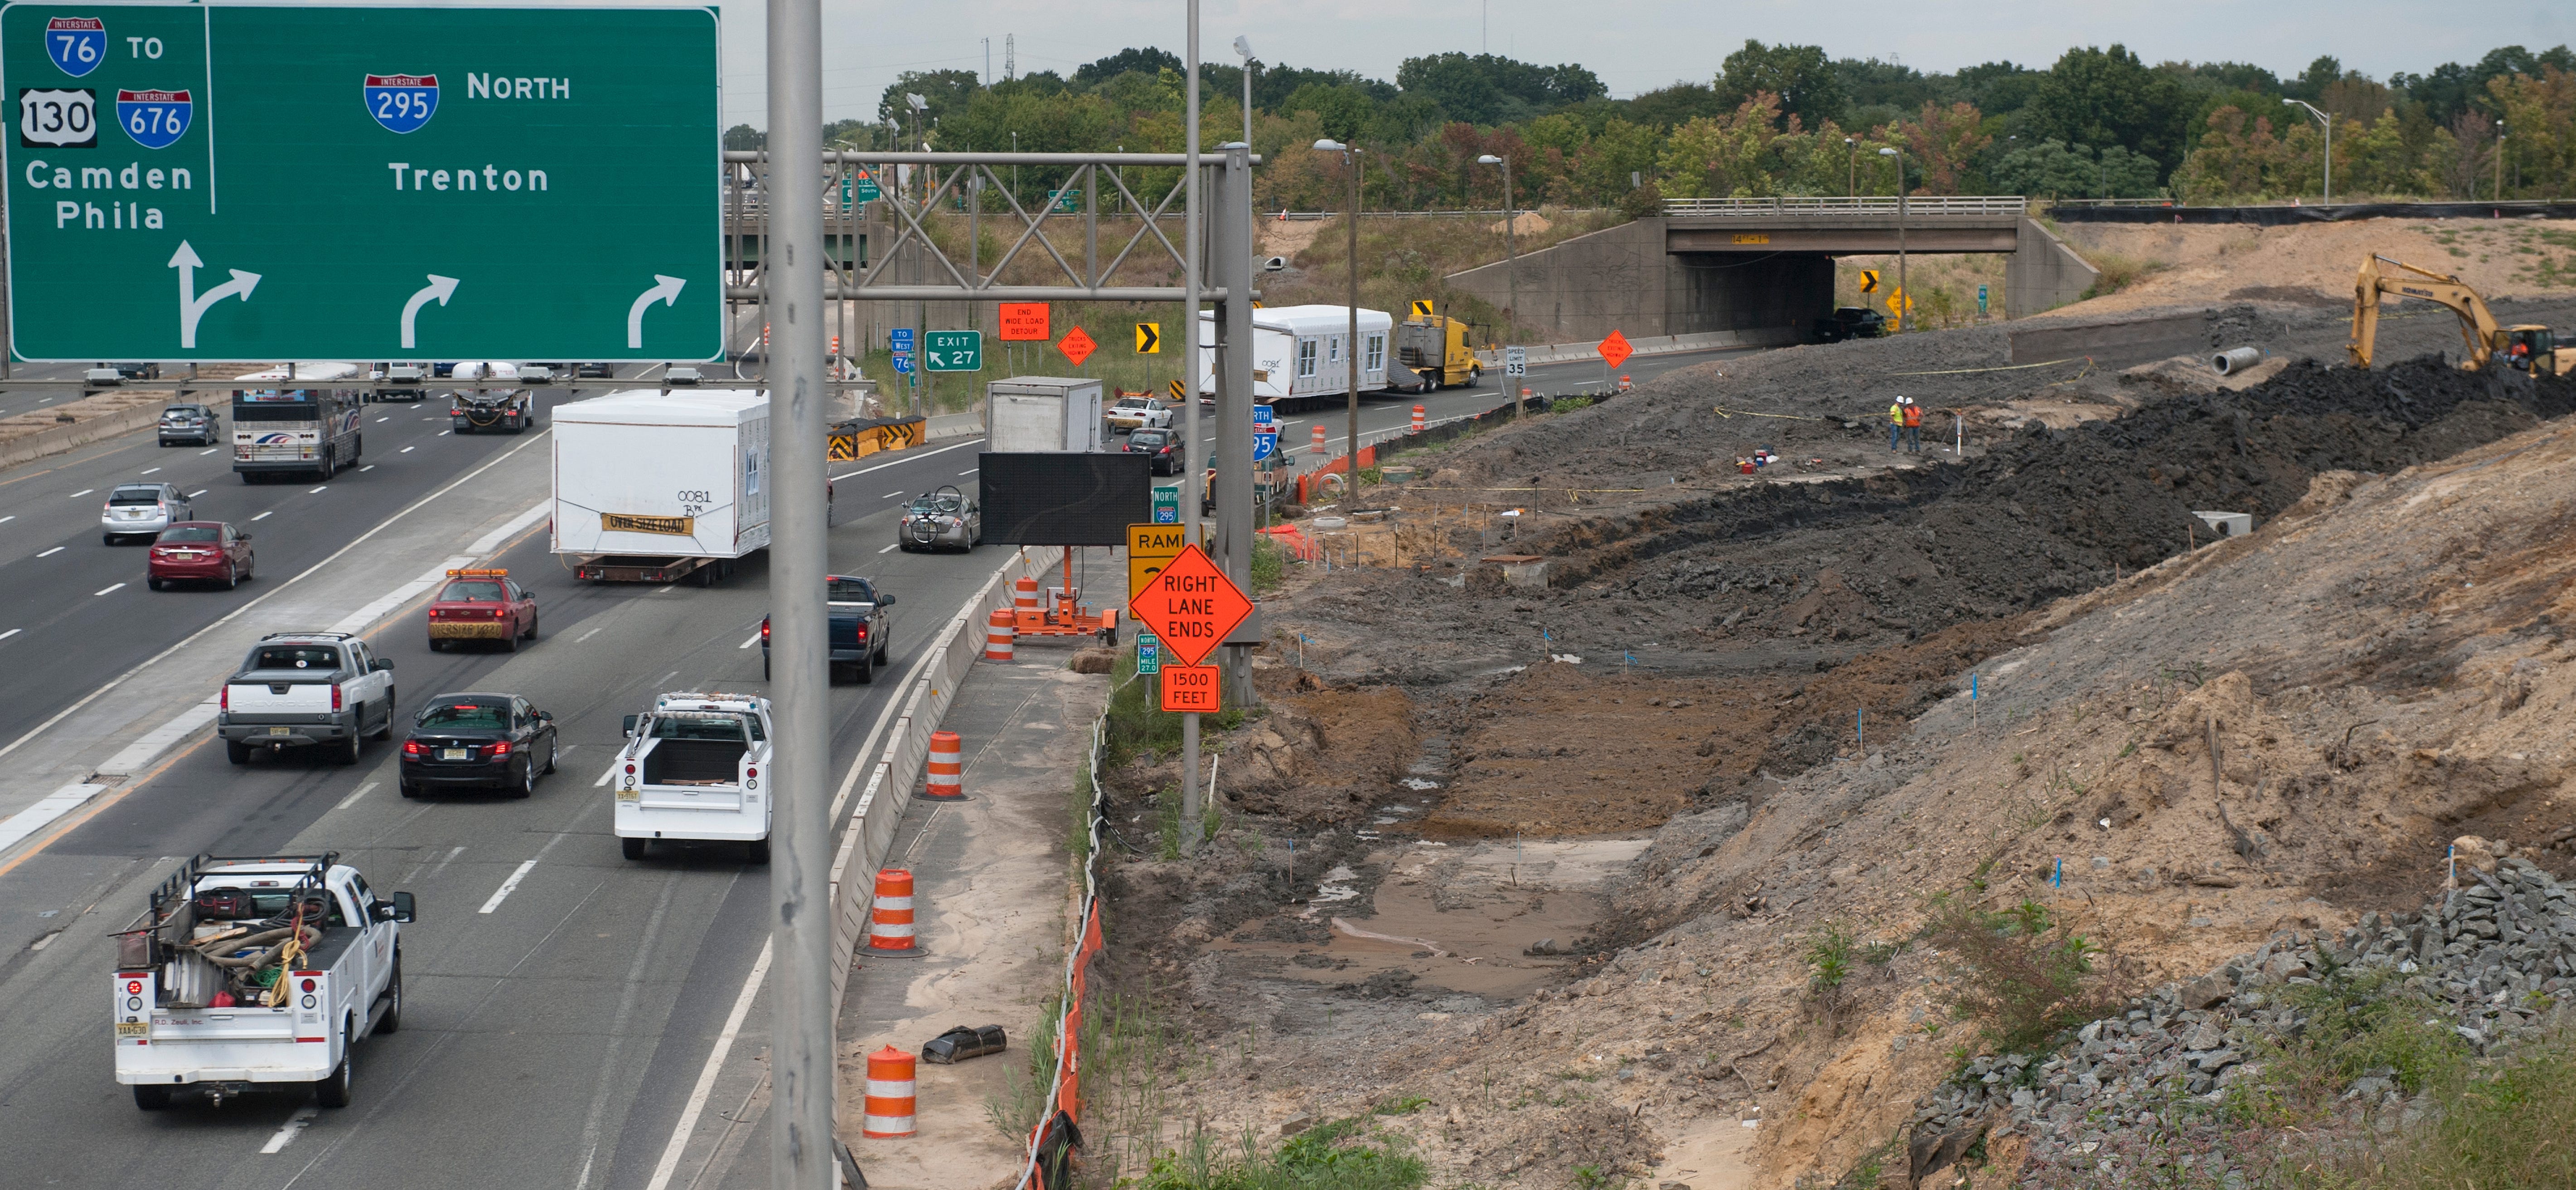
655	487
255	973
1298	359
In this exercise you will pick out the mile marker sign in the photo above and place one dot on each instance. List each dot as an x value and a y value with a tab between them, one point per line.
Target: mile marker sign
1190	606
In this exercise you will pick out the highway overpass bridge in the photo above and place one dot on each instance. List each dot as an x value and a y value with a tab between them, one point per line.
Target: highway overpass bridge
1762	267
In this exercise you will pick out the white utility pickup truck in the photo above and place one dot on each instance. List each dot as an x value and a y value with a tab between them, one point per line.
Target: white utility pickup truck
256	972
1138	413
304	690
691	769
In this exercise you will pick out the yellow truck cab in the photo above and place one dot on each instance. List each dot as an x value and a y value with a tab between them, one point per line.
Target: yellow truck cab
1435	347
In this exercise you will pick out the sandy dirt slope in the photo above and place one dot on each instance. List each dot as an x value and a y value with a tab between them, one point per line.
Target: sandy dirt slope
2314	263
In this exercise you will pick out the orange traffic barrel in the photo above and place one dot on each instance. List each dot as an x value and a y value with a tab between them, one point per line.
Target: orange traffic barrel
1623	382
889	1094
947	779
890	919
1319	438
1417	419
1024	594
1000	629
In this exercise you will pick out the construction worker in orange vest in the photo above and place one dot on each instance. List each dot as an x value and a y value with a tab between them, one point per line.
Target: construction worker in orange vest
1913	426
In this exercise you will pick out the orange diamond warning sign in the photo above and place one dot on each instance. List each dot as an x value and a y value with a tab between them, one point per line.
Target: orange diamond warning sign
1615	349
1190	606
1077	347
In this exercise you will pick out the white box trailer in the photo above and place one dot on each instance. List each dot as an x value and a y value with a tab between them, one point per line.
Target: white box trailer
1298	358
1028	414
653	487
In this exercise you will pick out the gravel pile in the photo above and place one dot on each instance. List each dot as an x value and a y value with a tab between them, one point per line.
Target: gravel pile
2133	1099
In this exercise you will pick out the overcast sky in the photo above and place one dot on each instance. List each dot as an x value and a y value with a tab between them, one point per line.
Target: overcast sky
1634	45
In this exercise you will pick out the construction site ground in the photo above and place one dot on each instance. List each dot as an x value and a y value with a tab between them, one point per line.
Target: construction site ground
1521	861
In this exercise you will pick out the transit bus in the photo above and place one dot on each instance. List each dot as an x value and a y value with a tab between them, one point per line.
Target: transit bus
297	431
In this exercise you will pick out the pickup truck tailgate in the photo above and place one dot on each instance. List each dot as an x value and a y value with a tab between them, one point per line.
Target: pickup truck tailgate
281	695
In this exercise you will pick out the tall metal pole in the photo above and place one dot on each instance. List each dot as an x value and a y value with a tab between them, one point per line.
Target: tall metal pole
1353	487
1232	243
1194	454
1511	252
801	1062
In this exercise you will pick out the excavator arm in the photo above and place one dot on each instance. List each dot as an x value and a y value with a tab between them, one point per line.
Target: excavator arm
2477	325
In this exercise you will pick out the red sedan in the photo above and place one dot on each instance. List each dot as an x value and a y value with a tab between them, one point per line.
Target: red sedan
199	551
482	605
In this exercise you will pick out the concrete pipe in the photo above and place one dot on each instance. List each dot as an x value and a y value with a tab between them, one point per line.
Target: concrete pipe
2235	360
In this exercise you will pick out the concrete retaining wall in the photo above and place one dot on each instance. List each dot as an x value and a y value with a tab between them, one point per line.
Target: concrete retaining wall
1557	353
2115	344
2043	273
81	433
1623	278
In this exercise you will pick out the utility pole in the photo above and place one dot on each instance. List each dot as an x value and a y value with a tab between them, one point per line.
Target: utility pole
1511	228
1351	158
2499	161
2328	119
1194	453
802	1064
1230	239
1851	161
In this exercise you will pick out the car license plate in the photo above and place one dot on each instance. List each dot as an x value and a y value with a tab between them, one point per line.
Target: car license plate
629	793
133	1029
451	754
281	731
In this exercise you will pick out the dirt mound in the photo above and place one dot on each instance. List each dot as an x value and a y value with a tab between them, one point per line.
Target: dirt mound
2313	263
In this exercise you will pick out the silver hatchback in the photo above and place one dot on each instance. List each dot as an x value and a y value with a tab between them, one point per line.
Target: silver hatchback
141	510
941	519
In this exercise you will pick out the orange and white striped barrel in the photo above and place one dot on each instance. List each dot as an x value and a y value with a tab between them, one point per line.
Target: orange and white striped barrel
889	1094
1319	438
947	776
890	919
1623	382
1417	419
1000	630
1024	594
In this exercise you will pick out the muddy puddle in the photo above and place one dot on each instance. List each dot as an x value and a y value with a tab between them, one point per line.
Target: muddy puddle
1459	916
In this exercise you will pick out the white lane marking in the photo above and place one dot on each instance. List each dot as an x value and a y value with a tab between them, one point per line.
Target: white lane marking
382	420
318	491
6	519
147	471
749	641
968	471
889	495
77	495
441	865
406	450
688	1122
441	434
10	633
352	799
892	548
294	1124
265	515
362	470
106	590
604	776
51	552
910	455
626	1002
199	492
587	635
508	886
209	450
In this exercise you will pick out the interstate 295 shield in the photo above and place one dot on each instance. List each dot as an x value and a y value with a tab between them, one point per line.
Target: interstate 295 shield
402	102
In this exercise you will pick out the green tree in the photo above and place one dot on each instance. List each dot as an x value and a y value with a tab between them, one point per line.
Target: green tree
944	90
2054	169
743	138
1799	77
1147	60
2107	97
1485	89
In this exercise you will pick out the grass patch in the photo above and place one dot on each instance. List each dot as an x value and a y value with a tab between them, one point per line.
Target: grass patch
1342	1155
2497	1126
2020	975
1269	564
1138	724
1569	404
2119	272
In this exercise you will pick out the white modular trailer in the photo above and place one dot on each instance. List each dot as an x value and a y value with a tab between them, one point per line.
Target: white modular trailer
662	475
1038	414
1299	354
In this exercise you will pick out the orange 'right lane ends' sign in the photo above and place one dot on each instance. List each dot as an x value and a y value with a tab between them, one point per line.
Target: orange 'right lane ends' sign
1190	606
1190	688
1615	349
1024	322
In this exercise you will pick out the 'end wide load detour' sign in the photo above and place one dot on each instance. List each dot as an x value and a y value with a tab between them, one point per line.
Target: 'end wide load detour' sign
1190	606
318	182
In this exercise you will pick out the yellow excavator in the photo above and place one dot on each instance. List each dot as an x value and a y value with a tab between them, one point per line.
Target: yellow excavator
2526	347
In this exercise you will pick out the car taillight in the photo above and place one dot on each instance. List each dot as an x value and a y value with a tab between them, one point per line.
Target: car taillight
499	749
458	411
753	771
309	985
764	629
335	696
411	747
224	699
863	632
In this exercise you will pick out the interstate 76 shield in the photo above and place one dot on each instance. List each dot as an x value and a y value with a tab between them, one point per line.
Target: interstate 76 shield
76	44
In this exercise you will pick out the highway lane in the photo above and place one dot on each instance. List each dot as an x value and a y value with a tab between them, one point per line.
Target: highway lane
548	1042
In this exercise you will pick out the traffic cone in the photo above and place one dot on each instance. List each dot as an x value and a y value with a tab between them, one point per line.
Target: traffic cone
1417	419
890	919
1000	629
947	777
1319	438
890	1095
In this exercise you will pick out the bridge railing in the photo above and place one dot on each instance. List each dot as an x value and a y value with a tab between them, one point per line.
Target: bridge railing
1924	204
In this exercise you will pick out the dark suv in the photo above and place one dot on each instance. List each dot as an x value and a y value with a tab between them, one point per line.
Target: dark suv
194	425
1851	322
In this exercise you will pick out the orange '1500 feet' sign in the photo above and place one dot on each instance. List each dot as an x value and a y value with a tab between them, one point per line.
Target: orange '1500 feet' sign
1190	606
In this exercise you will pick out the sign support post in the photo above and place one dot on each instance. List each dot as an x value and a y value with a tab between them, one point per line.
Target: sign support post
1194	456
802	1068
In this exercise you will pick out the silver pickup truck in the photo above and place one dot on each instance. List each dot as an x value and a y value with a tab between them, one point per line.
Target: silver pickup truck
305	690
255	972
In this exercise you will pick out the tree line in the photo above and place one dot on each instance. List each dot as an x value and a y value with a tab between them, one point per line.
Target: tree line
1783	120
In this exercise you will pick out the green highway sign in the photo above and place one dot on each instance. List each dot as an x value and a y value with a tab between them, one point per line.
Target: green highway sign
1065	202
955	351
864	187
221	182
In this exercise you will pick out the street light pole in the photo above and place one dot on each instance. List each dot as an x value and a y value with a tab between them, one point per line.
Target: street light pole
2499	163
1511	228
1851	157
1904	297
1243	46
2328	119
1193	451
1351	160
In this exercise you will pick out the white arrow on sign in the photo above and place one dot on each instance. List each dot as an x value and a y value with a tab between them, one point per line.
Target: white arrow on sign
440	288
193	305
665	288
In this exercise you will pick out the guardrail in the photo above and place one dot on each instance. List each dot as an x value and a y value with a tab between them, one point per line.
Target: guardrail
1924	204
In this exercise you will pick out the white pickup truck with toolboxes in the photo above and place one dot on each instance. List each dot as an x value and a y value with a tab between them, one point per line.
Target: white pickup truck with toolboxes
256	972
307	690
655	487
691	770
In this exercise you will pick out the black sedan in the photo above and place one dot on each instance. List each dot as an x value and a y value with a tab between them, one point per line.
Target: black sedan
478	741
1163	445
